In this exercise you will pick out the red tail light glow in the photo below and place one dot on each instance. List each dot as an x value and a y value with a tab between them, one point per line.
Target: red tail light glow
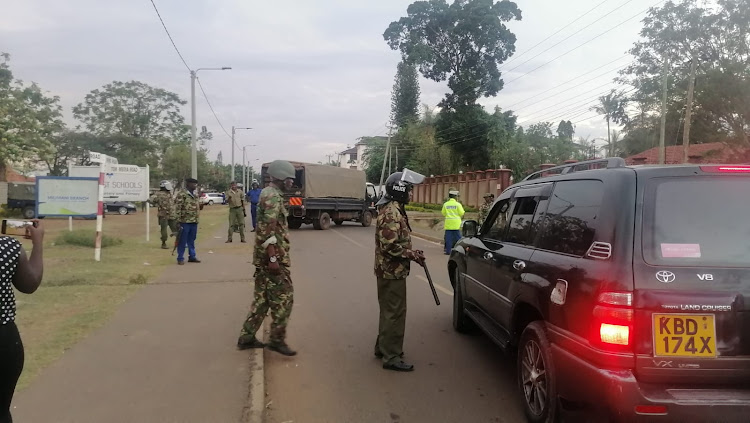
613	320
614	334
651	409
726	169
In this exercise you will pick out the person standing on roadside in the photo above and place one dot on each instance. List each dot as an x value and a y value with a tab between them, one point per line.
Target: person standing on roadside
25	274
453	212
393	254
237	212
273	283
187	210
165	211
254	196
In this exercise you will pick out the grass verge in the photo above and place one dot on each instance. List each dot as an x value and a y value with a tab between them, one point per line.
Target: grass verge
78	294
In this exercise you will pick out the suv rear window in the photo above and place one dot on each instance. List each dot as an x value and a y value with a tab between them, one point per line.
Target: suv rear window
697	221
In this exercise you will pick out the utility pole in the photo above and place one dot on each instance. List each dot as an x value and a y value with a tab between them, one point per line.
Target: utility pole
193	138
329	158
663	129
396	159
689	110
390	161
244	169
231	178
385	158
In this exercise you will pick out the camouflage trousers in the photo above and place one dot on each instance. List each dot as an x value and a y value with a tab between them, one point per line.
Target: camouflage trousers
236	222
392	325
273	293
167	223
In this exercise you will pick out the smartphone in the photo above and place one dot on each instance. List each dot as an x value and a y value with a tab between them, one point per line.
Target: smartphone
16	227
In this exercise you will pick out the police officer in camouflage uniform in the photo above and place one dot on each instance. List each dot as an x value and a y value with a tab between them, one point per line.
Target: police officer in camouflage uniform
484	209
393	254
273	282
165	211
187	210
236	200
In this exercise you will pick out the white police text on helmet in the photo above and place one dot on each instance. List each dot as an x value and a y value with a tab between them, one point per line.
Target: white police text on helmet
399	187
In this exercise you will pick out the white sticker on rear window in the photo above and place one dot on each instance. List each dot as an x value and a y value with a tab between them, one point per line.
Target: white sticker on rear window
680	250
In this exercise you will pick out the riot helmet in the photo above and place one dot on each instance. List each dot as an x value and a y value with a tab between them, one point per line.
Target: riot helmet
399	185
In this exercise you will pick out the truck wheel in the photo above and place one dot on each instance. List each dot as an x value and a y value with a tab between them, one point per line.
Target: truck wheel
294	223
338	222
29	212
323	222
366	219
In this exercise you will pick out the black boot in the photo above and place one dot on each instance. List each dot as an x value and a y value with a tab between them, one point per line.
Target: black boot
244	344
283	349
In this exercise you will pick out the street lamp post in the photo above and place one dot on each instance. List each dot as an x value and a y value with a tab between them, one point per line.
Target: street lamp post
193	138
245	180
233	130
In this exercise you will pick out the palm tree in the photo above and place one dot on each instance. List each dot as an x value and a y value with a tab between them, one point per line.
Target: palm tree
612	106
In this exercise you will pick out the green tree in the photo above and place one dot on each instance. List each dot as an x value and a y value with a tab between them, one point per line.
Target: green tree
28	117
612	106
718	38
134	109
405	95
566	130
462	42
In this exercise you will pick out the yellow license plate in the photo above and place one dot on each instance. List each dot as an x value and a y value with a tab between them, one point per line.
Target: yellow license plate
684	335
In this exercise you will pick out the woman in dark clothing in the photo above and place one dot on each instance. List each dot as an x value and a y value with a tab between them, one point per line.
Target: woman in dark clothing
25	273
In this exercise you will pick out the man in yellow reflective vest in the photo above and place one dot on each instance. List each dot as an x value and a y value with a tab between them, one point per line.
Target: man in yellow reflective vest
453	212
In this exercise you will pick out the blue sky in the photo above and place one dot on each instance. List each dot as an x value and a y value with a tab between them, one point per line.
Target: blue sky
309	77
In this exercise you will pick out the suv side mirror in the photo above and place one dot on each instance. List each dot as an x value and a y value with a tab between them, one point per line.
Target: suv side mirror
469	228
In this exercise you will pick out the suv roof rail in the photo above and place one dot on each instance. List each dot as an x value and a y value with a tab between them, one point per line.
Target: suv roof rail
612	162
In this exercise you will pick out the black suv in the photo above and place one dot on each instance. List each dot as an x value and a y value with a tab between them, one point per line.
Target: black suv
622	288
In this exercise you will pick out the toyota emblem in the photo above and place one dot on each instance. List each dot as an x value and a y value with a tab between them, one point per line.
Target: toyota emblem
665	276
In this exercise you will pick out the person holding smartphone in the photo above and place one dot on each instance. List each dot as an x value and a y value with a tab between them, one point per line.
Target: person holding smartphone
24	273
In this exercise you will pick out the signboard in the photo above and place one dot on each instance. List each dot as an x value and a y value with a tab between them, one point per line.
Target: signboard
95	157
121	182
59	196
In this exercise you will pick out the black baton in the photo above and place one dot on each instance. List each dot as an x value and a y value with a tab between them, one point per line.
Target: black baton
432	285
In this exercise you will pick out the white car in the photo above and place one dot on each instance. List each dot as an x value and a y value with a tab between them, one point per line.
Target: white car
211	198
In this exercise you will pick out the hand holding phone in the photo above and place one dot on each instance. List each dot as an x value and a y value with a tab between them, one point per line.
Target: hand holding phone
16	227
35	232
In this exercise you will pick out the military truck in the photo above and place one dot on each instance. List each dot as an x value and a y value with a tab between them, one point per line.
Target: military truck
22	195
323	194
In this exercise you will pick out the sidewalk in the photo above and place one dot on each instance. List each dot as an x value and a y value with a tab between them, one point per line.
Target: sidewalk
167	355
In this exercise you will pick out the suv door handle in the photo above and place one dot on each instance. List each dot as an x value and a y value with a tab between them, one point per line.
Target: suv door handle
519	265
488	256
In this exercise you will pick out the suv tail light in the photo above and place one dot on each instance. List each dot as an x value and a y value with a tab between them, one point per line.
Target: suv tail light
613	321
726	169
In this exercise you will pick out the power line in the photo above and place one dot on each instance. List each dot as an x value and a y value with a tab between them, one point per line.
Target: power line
571	80
169	35
581	45
569	36
212	108
514	58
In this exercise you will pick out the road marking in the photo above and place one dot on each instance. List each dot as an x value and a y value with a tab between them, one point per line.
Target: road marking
348	239
437	286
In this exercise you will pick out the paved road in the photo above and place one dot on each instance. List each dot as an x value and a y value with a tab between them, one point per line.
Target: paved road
335	377
168	355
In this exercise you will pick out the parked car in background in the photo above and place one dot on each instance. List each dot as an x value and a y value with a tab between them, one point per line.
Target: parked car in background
120	207
623	289
211	198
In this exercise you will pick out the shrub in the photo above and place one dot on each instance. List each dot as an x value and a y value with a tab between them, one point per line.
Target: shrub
84	238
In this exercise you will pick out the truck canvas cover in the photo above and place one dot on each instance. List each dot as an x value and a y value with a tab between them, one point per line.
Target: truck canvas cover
323	181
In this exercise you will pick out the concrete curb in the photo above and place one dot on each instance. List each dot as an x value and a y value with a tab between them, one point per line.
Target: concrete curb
427	237
255	409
